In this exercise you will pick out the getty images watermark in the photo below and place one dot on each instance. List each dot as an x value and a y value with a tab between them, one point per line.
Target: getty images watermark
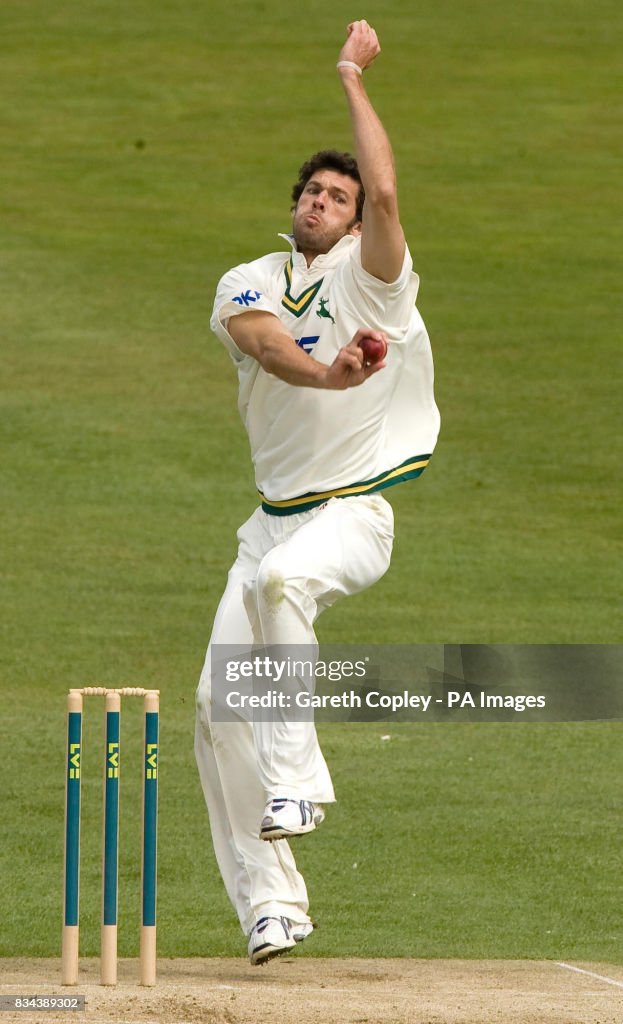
419	682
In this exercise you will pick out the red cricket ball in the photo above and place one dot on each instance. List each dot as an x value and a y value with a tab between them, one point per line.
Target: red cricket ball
373	351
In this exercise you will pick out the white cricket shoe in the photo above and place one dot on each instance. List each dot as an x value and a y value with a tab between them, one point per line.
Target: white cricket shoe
270	937
284	818
301	931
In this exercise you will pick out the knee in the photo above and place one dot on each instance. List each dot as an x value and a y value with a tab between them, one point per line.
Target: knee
272	585
278	586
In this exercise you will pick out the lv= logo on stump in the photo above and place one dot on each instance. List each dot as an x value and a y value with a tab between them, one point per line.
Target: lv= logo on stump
112	768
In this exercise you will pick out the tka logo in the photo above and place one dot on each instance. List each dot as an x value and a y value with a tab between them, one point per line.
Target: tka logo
246	298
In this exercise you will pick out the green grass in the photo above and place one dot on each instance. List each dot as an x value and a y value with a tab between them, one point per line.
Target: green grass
146	150
447	840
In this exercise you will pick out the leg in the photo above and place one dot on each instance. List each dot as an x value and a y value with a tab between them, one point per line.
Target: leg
340	550
260	879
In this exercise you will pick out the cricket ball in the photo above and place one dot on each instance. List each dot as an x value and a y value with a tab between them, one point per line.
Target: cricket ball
373	351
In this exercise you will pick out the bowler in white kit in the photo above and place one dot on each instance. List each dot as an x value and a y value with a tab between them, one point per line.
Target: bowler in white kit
330	432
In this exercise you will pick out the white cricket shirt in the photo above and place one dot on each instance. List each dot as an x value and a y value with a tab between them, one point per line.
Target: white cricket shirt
309	444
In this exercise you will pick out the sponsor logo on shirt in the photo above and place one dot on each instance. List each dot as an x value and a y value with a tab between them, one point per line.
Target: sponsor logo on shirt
308	343
246	298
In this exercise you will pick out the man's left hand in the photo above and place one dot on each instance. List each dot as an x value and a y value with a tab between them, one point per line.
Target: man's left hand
361	46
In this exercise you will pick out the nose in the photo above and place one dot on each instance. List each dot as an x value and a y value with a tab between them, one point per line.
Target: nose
319	200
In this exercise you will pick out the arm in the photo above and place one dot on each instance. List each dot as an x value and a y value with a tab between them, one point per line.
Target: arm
382	237
263	336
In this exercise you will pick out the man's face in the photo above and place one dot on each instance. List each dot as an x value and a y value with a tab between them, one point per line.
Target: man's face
325	212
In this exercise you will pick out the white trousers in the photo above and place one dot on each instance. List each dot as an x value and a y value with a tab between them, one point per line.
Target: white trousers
288	570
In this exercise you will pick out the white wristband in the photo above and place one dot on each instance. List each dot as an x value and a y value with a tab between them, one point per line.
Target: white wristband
349	64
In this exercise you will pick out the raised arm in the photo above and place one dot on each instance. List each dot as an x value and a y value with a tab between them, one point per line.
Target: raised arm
382	237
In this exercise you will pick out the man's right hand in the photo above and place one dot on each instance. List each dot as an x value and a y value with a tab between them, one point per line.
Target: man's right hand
262	335
348	369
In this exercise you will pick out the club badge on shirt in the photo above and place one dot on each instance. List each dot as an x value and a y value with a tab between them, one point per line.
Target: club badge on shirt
323	310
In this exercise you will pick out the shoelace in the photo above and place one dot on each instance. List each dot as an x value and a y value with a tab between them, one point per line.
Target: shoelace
305	807
263	923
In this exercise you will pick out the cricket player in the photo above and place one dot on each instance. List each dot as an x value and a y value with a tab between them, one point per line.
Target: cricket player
330	431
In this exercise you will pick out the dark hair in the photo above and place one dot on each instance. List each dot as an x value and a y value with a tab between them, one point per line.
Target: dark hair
330	160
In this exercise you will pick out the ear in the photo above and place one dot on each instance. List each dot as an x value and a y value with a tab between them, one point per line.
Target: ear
355	229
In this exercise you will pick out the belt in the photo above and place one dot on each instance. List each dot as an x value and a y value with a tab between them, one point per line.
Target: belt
407	470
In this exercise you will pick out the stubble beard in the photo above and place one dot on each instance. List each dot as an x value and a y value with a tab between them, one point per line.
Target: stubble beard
314	242
318	240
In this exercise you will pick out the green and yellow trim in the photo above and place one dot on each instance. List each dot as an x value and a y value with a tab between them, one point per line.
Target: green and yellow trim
300	304
408	470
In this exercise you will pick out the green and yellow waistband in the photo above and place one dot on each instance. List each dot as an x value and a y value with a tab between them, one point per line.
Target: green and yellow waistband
408	470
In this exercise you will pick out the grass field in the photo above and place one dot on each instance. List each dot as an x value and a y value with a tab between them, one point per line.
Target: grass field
146	150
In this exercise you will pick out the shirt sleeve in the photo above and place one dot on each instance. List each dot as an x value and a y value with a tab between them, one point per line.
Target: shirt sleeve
240	290
379	305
